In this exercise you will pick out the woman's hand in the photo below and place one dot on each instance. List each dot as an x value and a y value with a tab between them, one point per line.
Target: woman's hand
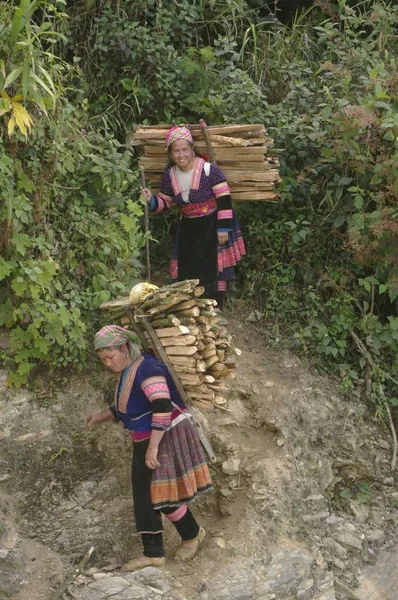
147	194
222	237
151	457
99	417
92	419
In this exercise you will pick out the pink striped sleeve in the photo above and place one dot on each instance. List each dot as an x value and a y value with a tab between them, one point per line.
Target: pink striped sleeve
221	189
155	388
225	214
164	202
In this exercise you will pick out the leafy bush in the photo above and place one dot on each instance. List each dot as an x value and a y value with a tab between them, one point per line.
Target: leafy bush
69	228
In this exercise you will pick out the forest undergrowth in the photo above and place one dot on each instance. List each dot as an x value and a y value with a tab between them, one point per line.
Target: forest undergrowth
321	272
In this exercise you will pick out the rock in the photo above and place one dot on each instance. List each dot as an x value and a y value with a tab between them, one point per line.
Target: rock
231	466
328	595
25	437
281	441
305	589
234	582
287	570
108	586
360	511
339	564
220	542
316	517
375	535
268	384
388	481
4	477
326	477
350	540
150	576
335	547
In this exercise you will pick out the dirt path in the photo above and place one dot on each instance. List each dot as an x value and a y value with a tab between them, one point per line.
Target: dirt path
302	488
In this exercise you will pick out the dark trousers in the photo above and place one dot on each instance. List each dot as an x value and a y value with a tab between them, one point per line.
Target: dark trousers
148	520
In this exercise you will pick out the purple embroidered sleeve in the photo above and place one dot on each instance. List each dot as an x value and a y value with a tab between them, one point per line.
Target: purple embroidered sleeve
164	199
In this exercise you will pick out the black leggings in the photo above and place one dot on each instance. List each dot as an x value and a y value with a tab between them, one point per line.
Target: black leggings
148	520
187	527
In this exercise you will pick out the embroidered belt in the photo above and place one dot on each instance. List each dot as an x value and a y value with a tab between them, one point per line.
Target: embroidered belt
198	209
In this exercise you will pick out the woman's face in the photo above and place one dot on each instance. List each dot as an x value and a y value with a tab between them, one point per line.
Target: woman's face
115	359
182	154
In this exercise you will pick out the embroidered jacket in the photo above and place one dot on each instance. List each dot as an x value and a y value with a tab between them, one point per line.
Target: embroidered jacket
144	398
204	189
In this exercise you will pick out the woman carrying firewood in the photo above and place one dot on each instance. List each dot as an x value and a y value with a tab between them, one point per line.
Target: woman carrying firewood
209	242
169	466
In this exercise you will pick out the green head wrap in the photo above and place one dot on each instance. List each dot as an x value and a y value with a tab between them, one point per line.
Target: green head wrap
112	336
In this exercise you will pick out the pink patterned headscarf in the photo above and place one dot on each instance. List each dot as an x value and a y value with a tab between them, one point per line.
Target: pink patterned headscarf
178	133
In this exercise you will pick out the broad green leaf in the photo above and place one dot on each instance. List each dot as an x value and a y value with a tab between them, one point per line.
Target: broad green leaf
12	77
42	84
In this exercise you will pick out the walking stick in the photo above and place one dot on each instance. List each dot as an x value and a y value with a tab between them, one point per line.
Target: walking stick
209	145
146	212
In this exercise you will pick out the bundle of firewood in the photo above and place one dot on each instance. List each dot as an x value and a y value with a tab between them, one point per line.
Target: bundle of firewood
241	151
188	329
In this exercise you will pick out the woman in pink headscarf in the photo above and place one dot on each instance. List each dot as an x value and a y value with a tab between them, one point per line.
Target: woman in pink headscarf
209	242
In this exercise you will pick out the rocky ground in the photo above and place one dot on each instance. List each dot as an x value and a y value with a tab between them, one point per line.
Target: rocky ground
304	508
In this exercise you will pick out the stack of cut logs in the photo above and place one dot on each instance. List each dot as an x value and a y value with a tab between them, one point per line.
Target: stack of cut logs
241	151
189	330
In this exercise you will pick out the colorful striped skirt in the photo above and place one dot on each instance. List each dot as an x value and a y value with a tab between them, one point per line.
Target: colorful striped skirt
197	255
183	475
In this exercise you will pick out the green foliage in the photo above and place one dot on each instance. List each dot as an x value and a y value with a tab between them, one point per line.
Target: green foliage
329	251
69	229
321	267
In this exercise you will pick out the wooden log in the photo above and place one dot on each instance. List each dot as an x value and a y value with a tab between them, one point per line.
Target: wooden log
167	305
219	400
181	350
231	152
182	340
172	331
194	330
189	312
185	305
209	334
210	362
202	404
168	321
118	303
265	196
189	370
187	379
188	321
199	291
164	356
208	379
221	355
239	176
217	367
200	345
218	386
202	319
201	366
184	361
208	352
234	128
